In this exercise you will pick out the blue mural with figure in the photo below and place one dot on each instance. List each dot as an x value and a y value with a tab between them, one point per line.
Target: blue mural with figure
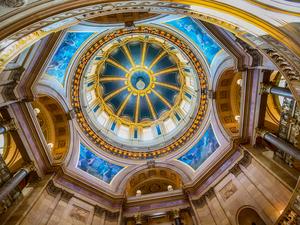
70	44
194	31
96	166
202	150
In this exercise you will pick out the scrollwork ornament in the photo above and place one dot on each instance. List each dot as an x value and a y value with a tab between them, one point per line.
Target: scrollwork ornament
14	3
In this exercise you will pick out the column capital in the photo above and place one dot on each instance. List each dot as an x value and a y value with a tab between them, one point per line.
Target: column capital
11	125
261	132
265	88
29	167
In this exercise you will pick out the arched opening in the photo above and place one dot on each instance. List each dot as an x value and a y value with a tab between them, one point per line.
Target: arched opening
10	153
228	96
274	103
248	216
153	180
54	125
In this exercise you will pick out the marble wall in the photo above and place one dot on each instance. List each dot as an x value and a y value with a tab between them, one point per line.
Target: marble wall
247	186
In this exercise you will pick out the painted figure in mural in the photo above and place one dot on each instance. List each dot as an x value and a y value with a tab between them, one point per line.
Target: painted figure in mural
200	37
62	57
202	150
96	166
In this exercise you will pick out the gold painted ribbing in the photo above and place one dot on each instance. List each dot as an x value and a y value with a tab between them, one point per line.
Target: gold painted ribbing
122	107
157	59
114	93
151	106
137	106
169	70
162	98
105	78
143	53
129	56
117	65
168	86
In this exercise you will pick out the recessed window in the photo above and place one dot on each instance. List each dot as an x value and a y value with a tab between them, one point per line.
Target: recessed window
177	117
96	108
158	130
113	126
135	133
188	95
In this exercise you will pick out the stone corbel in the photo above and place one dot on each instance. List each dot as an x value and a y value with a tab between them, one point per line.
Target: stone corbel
246	160
236	170
210	193
200	202
257	57
66	196
8	91
71	114
52	189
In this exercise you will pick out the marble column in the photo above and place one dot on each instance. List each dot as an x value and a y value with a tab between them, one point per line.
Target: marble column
271	89
14	181
280	143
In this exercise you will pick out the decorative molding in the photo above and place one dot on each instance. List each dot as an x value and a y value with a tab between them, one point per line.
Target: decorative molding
79	214
257	58
14	3
283	65
228	190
